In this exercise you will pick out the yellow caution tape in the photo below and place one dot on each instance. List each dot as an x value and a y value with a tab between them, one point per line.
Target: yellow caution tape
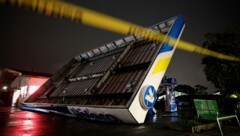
85	16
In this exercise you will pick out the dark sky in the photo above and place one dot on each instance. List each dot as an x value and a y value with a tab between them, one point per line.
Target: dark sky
32	41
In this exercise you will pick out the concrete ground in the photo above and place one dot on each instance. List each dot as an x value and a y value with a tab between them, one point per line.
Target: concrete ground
14	122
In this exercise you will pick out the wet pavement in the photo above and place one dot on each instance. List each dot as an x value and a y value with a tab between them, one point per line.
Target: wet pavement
15	122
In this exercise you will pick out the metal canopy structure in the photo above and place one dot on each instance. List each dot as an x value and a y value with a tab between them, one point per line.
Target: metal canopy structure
115	82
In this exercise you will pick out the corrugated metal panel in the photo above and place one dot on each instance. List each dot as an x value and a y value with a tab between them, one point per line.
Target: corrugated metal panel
108	75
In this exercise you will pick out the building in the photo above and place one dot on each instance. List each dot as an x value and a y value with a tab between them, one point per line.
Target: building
6	78
18	85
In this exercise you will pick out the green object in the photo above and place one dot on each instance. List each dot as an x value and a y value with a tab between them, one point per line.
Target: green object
208	110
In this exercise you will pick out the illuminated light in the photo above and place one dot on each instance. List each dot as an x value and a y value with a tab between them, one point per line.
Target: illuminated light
4	87
23	91
15	97
32	89
233	96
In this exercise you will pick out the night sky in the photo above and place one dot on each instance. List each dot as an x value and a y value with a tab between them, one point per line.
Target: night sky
31	41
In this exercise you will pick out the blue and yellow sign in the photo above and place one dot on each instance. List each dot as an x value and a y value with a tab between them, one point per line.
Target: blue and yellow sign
148	97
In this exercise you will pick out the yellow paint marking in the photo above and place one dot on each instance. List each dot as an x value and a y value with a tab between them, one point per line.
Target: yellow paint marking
161	65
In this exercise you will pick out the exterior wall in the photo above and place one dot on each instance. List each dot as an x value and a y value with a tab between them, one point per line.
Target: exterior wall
6	92
24	86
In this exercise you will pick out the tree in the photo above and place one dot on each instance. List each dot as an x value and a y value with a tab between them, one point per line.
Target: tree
185	89
197	90
200	90
225	75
